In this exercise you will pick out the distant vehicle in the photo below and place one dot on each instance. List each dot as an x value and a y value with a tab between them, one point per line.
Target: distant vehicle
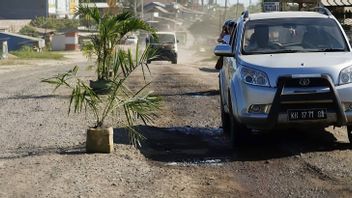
285	69
165	46
131	40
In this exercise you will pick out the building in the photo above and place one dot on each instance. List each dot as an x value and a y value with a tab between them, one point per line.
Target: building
29	9
169	16
104	7
16	41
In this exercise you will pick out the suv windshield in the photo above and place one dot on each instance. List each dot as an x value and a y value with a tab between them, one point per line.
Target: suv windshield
164	38
292	35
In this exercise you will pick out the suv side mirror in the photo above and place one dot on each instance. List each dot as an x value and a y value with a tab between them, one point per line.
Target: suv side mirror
223	50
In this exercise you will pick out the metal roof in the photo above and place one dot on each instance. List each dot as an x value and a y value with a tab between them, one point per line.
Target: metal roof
161	9
100	5
21	36
336	2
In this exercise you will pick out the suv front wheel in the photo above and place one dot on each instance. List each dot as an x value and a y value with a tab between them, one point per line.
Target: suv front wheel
238	131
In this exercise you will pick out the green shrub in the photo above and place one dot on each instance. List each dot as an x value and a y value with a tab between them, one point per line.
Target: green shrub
29	31
56	24
27	52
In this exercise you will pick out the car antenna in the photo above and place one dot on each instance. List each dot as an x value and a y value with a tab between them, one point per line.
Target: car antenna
322	10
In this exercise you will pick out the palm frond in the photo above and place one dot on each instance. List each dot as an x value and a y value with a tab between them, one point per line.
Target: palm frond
123	16
133	24
89	12
83	98
143	105
61	79
135	136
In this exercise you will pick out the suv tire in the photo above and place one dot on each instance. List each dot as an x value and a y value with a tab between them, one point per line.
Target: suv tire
174	61
225	117
238	131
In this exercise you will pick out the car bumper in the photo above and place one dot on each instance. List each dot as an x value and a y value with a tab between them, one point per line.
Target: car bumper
165	54
280	99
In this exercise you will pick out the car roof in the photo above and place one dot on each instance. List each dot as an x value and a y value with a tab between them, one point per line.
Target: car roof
172	33
289	14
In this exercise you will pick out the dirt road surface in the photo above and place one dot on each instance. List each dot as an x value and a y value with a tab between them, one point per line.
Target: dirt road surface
186	155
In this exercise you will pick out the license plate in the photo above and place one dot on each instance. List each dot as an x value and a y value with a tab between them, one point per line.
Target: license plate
306	114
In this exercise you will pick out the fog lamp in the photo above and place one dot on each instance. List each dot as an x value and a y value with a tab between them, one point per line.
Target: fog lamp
259	108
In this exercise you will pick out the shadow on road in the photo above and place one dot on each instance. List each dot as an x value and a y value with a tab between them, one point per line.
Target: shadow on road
188	144
194	94
210	70
25	97
39	151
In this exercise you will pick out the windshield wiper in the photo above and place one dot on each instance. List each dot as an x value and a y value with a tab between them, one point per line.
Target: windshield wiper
332	50
272	52
327	50
285	51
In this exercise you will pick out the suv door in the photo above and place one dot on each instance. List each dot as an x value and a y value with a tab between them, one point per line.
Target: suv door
228	69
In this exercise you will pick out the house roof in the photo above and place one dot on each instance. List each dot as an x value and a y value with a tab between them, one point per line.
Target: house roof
187	10
157	8
21	36
99	5
44	30
152	4
336	2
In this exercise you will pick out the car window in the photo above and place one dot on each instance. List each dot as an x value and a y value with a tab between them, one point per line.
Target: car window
292	35
233	38
164	38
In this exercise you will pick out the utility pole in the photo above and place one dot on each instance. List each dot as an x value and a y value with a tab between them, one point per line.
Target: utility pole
135	8
142	9
225	12
237	7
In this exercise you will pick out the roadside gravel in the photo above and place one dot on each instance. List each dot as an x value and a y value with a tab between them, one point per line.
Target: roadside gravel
186	155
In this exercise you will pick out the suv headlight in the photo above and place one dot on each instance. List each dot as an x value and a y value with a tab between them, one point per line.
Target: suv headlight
254	77
345	76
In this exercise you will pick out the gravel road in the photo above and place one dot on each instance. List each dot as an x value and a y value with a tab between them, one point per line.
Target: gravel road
186	155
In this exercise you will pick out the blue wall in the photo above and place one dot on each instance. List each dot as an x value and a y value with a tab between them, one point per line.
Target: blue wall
14	42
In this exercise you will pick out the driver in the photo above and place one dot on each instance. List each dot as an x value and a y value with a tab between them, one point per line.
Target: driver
260	38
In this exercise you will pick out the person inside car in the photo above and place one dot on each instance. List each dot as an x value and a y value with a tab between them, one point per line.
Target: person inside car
230	27
259	39
224	37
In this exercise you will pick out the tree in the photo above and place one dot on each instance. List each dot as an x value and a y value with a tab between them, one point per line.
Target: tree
110	30
255	8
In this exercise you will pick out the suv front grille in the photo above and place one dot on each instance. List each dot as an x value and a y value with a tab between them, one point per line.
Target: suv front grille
313	82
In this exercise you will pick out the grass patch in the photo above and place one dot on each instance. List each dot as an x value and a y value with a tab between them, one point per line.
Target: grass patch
37	55
26	52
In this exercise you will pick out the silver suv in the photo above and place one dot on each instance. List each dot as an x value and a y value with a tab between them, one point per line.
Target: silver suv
285	69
